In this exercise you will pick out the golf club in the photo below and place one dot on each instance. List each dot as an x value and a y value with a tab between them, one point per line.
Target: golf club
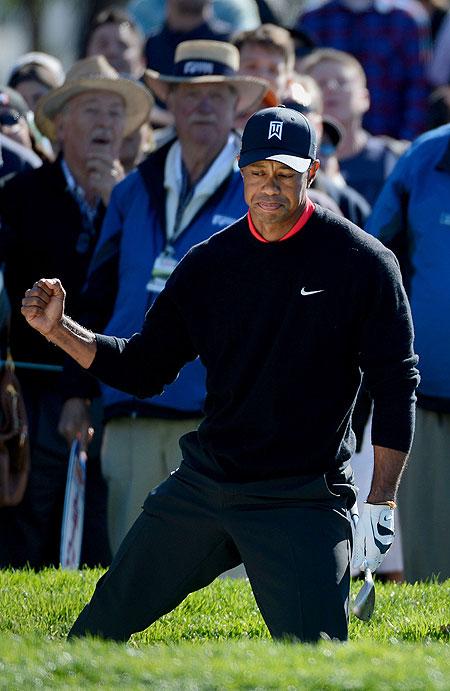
364	603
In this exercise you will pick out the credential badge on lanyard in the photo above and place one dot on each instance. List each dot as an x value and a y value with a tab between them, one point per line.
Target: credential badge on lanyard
162	269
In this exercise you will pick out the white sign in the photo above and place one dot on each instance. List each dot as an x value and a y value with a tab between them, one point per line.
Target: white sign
72	524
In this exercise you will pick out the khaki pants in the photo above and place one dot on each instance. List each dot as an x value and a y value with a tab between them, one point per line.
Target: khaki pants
137	454
424	499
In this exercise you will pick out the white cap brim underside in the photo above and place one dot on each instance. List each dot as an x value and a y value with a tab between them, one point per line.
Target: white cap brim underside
299	164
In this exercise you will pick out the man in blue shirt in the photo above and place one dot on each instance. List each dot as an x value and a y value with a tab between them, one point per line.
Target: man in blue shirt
412	216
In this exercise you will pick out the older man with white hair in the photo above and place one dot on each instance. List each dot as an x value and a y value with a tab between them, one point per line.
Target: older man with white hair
183	193
51	218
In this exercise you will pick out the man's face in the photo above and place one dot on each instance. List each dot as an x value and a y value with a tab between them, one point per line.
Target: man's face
275	194
32	90
120	45
91	124
259	61
344	93
204	113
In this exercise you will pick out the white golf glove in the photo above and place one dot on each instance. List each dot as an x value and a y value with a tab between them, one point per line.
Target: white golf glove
374	534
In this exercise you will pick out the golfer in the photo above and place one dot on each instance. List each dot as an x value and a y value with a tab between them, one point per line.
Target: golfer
285	308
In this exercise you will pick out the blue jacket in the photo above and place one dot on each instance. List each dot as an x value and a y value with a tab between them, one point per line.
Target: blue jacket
133	236
412	216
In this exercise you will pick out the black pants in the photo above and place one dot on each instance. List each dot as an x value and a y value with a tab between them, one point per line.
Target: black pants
295	542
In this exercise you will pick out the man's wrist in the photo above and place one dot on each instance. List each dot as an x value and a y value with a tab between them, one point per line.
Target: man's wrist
384	502
74	339
55	334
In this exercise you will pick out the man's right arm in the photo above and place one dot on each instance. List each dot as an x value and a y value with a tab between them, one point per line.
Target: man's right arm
43	308
141	365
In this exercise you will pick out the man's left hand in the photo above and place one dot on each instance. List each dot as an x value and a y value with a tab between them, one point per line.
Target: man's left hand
374	535
104	174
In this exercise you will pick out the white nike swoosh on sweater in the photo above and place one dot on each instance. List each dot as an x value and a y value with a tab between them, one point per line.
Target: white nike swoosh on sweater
310	292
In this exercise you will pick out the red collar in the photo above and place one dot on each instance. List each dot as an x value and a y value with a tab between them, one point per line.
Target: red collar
306	215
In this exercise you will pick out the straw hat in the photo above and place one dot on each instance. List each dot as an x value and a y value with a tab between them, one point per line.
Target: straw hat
208	62
94	74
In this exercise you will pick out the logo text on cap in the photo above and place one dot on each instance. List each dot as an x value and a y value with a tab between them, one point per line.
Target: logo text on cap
194	67
275	129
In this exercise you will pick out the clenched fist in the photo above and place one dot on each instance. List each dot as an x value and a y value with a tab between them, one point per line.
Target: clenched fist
43	308
43	305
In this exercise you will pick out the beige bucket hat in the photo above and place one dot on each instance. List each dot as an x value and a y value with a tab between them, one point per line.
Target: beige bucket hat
94	74
208	62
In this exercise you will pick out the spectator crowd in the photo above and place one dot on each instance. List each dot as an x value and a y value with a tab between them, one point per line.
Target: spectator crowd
112	171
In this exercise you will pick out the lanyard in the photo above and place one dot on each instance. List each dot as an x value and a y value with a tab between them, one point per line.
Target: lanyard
184	198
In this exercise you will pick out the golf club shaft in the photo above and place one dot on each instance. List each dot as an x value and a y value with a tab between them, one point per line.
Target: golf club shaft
368	588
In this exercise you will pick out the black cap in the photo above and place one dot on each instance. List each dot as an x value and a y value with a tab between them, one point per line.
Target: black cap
279	134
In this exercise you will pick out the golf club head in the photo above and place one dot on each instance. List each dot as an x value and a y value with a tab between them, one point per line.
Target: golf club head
364	603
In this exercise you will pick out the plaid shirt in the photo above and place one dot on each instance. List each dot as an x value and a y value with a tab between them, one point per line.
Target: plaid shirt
391	40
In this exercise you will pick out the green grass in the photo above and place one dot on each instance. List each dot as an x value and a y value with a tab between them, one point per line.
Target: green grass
216	639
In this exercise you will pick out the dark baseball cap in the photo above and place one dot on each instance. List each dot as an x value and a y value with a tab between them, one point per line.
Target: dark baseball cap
279	134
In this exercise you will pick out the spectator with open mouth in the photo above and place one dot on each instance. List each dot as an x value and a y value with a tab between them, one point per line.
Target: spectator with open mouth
50	220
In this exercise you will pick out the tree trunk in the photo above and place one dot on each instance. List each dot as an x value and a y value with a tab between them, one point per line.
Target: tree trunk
34	9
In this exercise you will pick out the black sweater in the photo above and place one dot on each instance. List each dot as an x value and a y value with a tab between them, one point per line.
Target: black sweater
284	330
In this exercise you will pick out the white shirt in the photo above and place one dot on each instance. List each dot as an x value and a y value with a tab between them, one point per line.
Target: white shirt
220	168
